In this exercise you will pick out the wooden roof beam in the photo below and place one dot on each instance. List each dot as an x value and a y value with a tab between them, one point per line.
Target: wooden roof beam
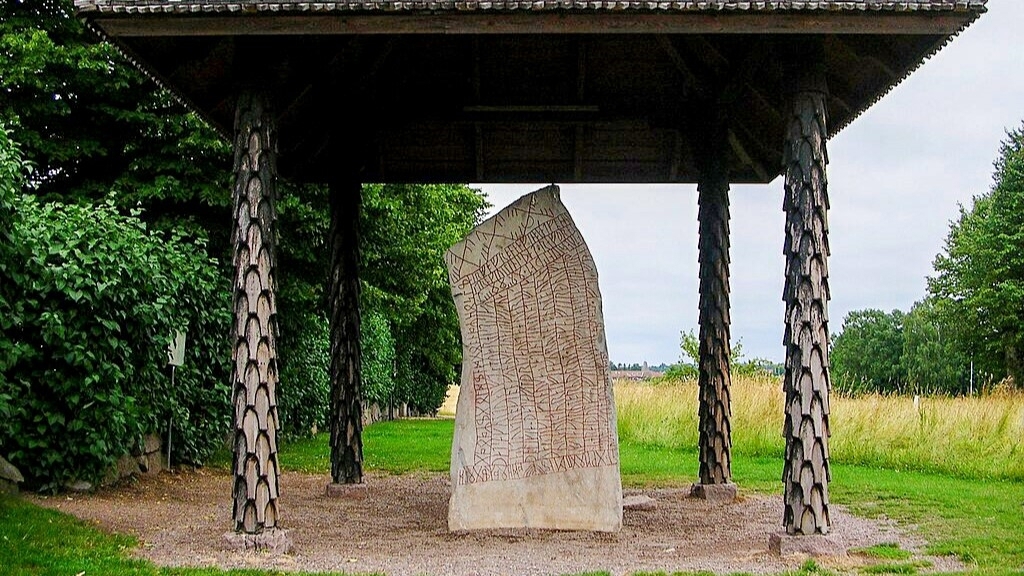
691	82
873	61
746	158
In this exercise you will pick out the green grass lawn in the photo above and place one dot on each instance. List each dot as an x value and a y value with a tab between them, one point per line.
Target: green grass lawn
980	521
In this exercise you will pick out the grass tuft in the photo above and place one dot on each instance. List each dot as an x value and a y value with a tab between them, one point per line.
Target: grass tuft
897	567
886	551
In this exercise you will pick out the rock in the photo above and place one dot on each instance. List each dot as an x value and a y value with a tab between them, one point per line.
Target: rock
10	477
346	491
78	486
9	472
535	441
126	467
814	545
271	541
714	493
639	502
151	443
152	463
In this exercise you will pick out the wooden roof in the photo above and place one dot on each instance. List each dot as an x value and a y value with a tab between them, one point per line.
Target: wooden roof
521	91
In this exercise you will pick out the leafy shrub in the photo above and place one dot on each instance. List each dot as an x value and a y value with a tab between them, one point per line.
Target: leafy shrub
89	301
12	172
303	394
378	362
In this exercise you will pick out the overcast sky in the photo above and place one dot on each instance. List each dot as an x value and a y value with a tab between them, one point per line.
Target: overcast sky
896	178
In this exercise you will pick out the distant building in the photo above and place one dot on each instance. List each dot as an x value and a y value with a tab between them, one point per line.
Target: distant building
644	373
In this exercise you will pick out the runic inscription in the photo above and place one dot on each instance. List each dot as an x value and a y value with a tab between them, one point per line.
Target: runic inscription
536	398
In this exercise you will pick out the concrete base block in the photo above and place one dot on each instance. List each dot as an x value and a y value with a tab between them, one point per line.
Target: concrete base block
714	493
639	502
348	491
272	541
816	545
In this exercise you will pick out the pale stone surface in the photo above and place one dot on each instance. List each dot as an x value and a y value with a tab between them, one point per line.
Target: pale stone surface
9	472
639	502
815	545
271	541
535	441
80	486
714	493
10	477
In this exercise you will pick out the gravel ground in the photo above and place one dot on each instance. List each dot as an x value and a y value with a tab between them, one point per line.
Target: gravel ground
400	527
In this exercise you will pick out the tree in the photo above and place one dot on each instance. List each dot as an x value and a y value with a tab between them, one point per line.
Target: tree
979	281
93	125
866	353
739	365
931	360
406	230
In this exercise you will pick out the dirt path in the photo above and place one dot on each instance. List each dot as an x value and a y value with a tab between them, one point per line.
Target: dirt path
400	528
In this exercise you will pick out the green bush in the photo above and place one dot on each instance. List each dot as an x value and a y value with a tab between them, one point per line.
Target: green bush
378	362
12	172
303	394
89	301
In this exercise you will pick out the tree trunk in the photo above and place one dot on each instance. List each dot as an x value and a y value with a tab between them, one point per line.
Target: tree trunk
806	471
713	362
346	389
254	371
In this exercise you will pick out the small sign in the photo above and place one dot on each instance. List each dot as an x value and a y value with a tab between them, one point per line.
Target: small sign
176	349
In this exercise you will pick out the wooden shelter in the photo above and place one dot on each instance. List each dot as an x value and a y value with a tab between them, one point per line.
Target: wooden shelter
706	91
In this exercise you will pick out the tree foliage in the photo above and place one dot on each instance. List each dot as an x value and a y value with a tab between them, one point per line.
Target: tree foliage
866	353
90	300
99	131
979	281
898	353
406	230
932	360
92	124
739	364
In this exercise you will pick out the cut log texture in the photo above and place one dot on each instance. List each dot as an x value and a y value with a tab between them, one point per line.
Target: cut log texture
713	364
346	388
806	472
254	372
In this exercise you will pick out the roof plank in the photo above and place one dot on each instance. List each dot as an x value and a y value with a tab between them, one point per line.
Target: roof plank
533	22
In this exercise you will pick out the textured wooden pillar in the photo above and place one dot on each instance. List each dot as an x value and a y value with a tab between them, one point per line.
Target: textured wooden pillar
254	372
806	471
713	364
346	390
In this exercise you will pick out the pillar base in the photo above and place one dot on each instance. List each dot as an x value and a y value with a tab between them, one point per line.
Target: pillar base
346	491
815	545
272	541
714	493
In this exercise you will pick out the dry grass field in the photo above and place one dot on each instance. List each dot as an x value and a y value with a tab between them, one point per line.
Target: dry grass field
979	436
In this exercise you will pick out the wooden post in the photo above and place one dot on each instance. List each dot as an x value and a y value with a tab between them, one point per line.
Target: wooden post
806	470
713	363
254	373
346	389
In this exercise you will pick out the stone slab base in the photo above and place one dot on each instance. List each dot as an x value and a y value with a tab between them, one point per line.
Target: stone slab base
273	541
347	491
714	493
639	502
582	499
817	545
